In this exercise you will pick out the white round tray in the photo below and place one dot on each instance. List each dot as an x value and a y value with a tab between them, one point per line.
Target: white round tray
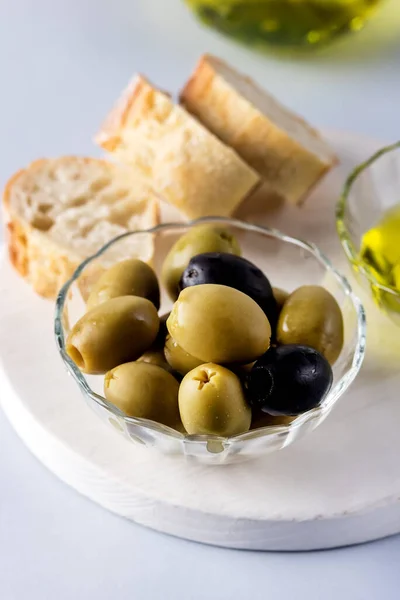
338	486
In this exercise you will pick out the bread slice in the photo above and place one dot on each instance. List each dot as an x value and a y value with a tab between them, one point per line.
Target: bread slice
187	165
288	153
60	211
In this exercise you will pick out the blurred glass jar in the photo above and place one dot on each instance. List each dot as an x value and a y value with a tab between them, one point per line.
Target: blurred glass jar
285	22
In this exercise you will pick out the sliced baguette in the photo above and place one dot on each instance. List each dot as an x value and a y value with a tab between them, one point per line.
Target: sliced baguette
288	153
186	164
60	211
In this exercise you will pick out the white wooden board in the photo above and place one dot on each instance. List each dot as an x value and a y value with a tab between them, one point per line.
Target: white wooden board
338	486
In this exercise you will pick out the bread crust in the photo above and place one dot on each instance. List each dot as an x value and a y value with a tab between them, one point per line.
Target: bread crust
109	136
44	264
281	160
187	165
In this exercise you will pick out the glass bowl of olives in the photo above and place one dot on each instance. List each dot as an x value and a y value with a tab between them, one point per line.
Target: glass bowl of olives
368	223
235	342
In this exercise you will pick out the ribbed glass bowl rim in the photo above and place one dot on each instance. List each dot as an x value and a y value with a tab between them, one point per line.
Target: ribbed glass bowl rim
335	393
344	234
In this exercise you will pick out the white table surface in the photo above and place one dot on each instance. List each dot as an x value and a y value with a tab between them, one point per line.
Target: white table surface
62	63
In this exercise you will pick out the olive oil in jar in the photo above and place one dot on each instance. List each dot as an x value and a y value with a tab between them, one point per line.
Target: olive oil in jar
380	250
285	22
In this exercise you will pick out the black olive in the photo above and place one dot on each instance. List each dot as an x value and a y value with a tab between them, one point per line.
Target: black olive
289	380
233	271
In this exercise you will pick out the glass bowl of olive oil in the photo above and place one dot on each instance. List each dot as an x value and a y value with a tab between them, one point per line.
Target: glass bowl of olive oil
368	223
285	23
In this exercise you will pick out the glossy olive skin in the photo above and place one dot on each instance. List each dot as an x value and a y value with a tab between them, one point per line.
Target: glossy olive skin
219	324
144	391
178	359
212	402
233	271
131	277
312	317
289	380
115	332
155	356
199	239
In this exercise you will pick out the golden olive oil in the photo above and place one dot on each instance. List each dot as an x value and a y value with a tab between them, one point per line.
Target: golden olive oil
285	22
380	250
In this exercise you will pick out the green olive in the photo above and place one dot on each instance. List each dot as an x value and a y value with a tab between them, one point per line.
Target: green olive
219	324
280	296
312	317
112	333
180	361
212	402
155	356
199	239
144	391
131	277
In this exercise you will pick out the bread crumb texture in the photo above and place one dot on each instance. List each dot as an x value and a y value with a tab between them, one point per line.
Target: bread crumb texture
186	164
60	211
